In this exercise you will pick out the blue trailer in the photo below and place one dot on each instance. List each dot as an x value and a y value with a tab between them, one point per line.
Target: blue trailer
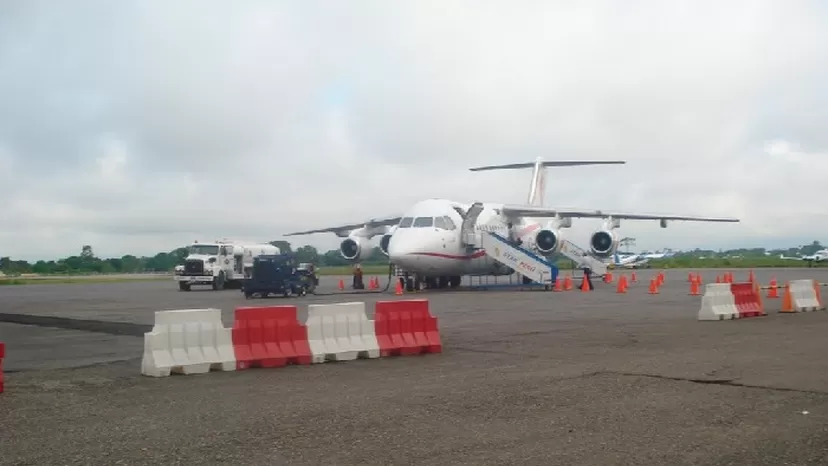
278	274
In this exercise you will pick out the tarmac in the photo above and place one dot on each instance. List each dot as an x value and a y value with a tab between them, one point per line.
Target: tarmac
525	377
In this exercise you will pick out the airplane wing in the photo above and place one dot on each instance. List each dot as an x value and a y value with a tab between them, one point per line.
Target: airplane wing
345	229
533	211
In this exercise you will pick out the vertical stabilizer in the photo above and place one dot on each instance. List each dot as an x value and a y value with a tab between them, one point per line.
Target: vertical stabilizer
537	188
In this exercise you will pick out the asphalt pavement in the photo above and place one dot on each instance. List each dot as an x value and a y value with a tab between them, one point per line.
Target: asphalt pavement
526	377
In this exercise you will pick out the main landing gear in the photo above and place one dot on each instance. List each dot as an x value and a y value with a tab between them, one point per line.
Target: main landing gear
416	282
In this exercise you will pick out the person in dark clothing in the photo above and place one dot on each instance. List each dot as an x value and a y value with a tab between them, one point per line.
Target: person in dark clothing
587	280
358	283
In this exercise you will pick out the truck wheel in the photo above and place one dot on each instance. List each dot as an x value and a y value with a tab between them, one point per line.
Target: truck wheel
218	282
183	286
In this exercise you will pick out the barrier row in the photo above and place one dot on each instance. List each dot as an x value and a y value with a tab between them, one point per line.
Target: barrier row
194	341
724	301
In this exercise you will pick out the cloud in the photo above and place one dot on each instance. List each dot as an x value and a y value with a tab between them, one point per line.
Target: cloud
174	121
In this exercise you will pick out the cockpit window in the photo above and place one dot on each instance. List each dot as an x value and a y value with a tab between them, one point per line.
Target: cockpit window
406	222
440	222
449	223
422	222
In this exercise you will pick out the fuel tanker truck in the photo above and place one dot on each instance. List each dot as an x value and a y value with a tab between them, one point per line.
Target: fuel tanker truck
220	264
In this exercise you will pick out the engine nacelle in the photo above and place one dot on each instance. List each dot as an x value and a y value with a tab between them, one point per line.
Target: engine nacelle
384	242
548	241
603	242
354	249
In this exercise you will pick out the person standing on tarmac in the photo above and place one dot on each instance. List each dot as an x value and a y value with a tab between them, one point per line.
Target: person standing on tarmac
587	280
358	283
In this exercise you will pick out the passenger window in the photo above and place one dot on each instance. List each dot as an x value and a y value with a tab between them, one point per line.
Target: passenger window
423	222
440	222
406	222
449	223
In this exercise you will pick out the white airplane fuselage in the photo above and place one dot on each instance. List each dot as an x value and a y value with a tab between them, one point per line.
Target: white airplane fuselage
427	239
437	249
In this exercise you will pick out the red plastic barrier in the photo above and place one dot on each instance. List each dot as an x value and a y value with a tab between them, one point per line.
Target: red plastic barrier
406	328
269	336
2	355
748	301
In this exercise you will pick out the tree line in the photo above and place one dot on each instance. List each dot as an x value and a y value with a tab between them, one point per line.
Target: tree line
87	263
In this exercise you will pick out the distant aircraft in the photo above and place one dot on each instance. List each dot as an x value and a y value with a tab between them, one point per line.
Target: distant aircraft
431	239
629	261
818	256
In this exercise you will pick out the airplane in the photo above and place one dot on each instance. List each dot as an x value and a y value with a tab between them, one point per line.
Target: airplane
657	255
427	241
818	256
631	261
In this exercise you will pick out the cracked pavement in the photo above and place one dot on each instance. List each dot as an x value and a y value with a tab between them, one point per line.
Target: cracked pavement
525	378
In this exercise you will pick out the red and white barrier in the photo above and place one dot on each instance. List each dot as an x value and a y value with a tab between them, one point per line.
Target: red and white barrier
718	303
406	328
341	332
2	356
191	341
748	300
269	336
195	341
802	296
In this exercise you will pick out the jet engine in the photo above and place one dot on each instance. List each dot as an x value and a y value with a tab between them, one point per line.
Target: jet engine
548	241
354	249
603	242
384	242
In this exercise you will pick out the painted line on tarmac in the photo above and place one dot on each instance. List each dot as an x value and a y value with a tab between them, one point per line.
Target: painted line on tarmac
97	326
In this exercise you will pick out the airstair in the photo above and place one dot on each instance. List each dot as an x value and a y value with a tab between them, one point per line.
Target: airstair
583	258
522	261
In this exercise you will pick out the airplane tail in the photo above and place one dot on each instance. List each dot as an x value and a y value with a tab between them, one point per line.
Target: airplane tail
537	187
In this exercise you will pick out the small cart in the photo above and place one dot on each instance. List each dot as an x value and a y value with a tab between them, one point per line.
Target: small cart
277	275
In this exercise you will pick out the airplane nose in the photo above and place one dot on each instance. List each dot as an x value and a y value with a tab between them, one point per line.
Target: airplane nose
400	251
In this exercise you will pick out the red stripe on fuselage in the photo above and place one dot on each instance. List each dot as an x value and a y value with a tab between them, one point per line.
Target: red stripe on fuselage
451	256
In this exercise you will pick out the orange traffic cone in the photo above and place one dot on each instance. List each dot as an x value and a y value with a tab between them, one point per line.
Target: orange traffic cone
568	283
694	288
608	277
773	289
634	277
558	286
398	290
584	285
690	277
751	277
622	285
787	299
653	286
341	284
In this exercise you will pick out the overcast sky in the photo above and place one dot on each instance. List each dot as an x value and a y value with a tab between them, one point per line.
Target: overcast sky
139	126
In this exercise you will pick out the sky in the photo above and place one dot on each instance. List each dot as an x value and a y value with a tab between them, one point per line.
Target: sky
140	126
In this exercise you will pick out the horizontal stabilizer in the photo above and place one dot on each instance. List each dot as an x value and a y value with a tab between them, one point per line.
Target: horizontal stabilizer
558	163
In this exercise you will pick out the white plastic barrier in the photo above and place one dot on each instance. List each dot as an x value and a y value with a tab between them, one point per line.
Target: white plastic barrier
803	296
191	341
718	303
340	332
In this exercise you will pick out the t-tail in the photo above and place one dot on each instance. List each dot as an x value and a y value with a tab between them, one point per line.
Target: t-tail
537	188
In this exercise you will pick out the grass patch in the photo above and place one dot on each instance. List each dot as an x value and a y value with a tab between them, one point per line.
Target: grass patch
76	280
